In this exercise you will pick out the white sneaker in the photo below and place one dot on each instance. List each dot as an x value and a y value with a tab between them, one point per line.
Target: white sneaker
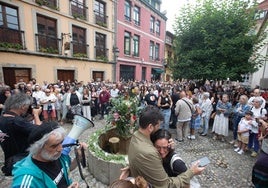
189	136
193	137
236	149
240	152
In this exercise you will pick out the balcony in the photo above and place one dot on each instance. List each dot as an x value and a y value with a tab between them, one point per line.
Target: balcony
80	50
101	19
101	53
12	39
47	44
48	3
79	10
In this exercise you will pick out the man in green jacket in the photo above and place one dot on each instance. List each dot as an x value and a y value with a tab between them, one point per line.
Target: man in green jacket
45	166
144	159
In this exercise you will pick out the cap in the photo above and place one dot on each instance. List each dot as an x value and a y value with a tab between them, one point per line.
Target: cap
40	130
249	113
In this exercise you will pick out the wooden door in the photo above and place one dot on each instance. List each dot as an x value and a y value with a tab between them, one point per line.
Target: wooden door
98	76
13	75
65	75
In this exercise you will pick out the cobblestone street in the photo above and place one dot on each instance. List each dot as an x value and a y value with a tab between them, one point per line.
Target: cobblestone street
227	168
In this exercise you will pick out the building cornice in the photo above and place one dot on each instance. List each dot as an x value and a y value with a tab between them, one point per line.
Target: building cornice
154	9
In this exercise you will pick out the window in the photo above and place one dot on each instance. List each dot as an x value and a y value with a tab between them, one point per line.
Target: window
152	24
78	8
127	43
100	13
100	48
157	27
47	34
79	41
9	17
151	50
157	46
9	26
136	15
127	11
136	44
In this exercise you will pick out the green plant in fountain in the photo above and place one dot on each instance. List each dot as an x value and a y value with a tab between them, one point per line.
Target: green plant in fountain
93	144
123	115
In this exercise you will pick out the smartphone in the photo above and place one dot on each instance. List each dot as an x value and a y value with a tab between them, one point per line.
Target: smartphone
204	161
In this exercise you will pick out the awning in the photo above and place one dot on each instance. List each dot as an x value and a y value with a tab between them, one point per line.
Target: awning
157	70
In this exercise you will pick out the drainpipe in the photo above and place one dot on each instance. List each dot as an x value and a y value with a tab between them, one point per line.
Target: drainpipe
115	48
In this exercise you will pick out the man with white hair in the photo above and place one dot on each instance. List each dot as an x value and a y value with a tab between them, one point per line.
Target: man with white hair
46	165
206	108
256	93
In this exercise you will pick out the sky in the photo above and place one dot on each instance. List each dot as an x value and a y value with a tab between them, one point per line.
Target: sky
172	7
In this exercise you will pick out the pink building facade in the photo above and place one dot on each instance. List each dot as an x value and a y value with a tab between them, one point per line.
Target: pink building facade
140	39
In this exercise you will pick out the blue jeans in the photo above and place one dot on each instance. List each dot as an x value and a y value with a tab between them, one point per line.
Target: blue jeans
166	114
236	120
253	140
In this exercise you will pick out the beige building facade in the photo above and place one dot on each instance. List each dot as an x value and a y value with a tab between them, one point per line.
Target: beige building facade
56	40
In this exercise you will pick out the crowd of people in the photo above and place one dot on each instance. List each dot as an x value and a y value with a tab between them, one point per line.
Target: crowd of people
189	107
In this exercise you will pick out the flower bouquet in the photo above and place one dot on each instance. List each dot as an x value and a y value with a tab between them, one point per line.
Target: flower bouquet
123	115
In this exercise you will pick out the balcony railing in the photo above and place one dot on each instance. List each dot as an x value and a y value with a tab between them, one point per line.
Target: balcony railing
49	3
47	44
10	38
79	10
101	53
101	19
80	50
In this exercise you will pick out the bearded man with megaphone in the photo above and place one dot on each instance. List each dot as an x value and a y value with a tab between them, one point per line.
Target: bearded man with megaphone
48	163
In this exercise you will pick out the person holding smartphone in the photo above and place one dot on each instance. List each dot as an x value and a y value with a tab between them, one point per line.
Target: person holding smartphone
144	159
260	168
161	141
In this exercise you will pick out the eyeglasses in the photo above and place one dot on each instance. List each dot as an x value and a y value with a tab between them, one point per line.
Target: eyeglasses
165	148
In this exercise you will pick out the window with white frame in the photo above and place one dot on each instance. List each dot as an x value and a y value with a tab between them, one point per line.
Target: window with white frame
157	27
127	10
151	50
157	46
136	15
136	45
127	43
152	24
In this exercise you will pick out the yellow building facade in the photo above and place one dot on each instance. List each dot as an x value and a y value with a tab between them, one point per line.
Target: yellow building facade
52	40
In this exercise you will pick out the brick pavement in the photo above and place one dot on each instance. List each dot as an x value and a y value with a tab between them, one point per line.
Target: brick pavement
227	169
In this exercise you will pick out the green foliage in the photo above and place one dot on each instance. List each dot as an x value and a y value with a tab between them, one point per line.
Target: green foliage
123	115
212	40
7	45
102	58
81	55
49	50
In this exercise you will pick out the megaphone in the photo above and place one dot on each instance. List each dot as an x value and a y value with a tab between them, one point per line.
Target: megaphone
80	124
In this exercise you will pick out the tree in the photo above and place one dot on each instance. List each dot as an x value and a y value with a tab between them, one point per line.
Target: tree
214	40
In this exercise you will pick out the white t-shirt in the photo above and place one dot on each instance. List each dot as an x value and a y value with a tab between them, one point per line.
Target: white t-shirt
244	125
